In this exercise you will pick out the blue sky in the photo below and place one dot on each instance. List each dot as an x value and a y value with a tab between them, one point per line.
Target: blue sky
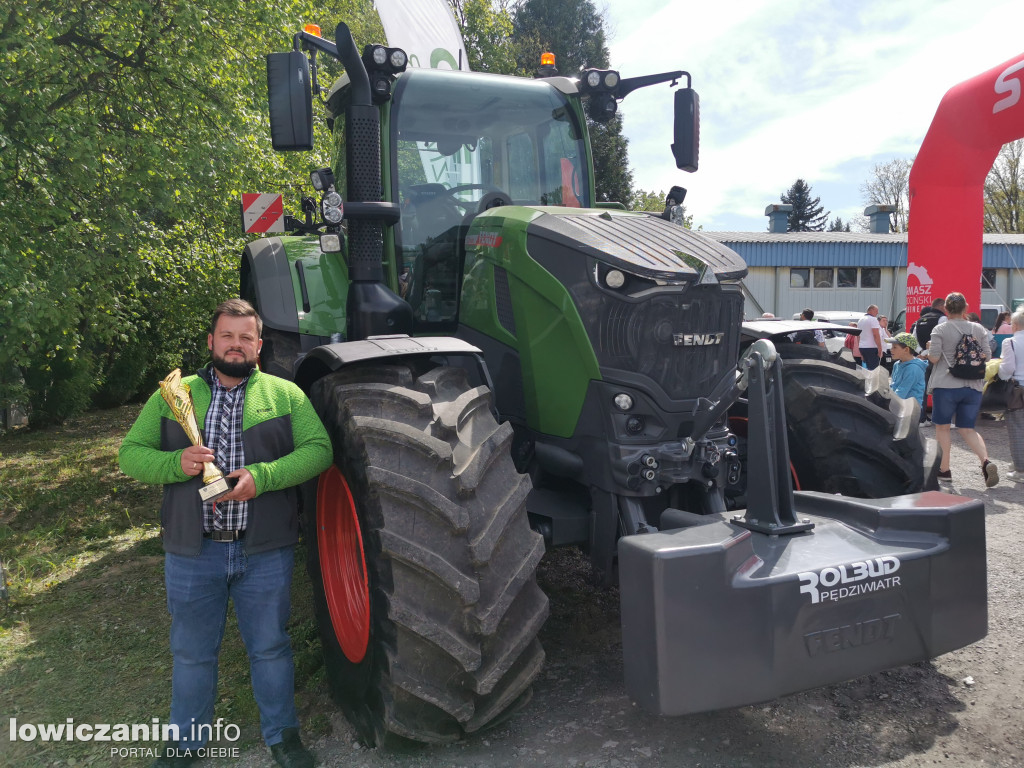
815	90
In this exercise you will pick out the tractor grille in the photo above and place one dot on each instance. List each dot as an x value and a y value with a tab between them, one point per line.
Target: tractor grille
641	337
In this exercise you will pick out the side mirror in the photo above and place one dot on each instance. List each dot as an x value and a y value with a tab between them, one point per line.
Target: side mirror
291	102
686	130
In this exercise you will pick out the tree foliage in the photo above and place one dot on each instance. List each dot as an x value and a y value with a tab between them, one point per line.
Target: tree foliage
1004	190
128	130
838	225
889	184
642	200
807	215
574	31
487	35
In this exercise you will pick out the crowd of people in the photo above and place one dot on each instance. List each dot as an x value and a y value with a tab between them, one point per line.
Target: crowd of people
933	358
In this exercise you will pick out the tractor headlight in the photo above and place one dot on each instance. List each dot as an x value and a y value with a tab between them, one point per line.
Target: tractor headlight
398	59
332	207
380	55
330	242
623	401
614	279
611	79
593	78
322	179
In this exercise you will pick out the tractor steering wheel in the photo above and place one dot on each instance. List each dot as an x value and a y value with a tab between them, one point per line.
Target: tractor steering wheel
493	197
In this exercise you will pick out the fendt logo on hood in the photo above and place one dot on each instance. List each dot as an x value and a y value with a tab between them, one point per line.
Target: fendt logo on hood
844	581
697	339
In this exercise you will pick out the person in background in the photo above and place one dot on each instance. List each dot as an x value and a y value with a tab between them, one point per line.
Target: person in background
990	341
852	343
930	318
1012	366
808	337
907	369
957	397
870	338
885	354
1002	324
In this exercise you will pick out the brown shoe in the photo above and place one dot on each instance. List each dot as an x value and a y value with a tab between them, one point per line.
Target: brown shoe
991	473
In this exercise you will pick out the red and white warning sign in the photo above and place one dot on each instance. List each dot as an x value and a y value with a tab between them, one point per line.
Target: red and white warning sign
262	213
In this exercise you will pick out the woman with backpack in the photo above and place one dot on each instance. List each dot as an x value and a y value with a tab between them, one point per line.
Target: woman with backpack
958	350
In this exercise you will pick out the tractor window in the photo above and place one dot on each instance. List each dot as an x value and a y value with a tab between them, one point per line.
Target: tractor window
462	142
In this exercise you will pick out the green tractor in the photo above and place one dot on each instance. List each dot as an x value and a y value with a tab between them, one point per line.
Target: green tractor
506	366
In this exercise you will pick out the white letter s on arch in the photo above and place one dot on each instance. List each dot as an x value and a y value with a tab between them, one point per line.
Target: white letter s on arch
1010	87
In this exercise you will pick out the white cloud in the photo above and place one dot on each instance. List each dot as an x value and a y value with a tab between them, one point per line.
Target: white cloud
819	91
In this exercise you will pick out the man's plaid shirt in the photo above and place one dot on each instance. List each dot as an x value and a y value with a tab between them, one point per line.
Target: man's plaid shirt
224	438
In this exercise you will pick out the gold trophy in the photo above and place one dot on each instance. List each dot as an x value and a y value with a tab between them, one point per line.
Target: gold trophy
179	398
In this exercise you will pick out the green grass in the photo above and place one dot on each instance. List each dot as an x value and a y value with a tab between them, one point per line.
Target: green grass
85	634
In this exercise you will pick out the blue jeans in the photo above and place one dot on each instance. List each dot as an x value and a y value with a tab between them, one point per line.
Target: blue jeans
198	589
962	402
870	357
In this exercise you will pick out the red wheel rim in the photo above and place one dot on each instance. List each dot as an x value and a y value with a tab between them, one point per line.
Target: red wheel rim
343	564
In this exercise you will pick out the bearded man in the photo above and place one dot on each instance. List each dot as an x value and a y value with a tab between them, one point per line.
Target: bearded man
263	434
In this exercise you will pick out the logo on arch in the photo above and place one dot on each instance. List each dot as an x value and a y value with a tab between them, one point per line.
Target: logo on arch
1008	82
919	288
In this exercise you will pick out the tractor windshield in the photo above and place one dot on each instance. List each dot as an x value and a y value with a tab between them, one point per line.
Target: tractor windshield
463	142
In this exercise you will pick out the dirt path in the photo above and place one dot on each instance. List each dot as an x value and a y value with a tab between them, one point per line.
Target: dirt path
964	709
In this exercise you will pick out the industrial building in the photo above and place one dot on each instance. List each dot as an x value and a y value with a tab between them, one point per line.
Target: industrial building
849	271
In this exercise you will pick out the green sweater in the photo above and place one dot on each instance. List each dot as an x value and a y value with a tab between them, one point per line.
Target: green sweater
285	445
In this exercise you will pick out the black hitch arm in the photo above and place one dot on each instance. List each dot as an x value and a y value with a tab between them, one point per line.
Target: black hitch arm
769	484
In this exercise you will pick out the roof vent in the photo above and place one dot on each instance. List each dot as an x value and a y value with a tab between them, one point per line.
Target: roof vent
778	217
879	218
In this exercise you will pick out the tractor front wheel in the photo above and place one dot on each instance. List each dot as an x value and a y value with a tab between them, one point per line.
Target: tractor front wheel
421	556
843	439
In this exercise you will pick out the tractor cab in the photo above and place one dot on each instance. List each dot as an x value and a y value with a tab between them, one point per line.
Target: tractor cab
459	144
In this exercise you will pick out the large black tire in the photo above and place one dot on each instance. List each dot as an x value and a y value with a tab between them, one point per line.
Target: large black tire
436	636
842	440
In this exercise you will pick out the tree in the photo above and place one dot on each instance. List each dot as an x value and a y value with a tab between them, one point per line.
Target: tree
641	200
890	185
837	225
127	132
574	31
486	32
1004	190
807	215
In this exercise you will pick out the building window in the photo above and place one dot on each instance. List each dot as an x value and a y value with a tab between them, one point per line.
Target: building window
847	277
823	277
871	277
988	278
799	278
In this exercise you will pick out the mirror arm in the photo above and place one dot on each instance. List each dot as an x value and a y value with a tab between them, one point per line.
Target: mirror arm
631	84
305	41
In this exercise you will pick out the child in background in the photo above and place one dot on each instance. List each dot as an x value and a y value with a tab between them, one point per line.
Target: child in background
908	369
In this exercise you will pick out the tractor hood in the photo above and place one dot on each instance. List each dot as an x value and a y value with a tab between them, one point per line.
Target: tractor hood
642	244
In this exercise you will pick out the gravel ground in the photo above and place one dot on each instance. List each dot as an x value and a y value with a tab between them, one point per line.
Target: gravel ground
965	708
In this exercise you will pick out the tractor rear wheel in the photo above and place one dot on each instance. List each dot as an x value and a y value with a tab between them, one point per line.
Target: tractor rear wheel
421	556
844	440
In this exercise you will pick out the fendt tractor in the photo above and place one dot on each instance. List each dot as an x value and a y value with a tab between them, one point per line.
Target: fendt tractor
505	365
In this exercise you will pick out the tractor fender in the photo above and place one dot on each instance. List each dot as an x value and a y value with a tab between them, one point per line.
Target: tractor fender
265	264
328	358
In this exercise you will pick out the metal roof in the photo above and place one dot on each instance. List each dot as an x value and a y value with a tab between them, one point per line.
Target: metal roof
852	249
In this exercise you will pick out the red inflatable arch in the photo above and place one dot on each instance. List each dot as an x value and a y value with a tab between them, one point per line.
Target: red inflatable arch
973	121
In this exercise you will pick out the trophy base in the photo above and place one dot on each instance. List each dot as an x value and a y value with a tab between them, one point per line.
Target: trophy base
216	489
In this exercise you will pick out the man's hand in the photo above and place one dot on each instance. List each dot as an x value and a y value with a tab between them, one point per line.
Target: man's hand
244	490
193	458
